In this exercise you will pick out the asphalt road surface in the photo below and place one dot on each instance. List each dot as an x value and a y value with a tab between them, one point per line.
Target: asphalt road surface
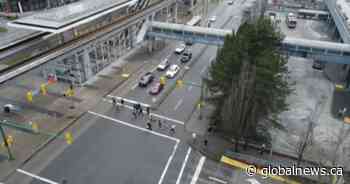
118	148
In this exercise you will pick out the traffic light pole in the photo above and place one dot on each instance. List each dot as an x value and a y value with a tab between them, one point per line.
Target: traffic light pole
201	100
6	143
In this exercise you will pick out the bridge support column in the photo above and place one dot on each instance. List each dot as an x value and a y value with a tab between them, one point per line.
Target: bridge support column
175	12
150	45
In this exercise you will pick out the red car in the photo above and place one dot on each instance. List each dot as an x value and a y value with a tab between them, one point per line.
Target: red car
156	88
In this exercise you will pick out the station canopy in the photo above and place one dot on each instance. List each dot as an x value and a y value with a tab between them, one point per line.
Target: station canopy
68	16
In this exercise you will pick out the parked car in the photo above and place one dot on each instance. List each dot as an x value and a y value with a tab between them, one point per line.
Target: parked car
10	108
186	56
146	79
212	19
156	88
230	2
318	65
163	65
173	70
180	49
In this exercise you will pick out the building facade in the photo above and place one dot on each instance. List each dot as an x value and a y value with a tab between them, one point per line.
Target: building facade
80	64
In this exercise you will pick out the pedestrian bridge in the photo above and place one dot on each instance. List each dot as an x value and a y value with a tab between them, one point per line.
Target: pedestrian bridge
319	50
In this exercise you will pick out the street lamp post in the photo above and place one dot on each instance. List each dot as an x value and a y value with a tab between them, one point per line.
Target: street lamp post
6	143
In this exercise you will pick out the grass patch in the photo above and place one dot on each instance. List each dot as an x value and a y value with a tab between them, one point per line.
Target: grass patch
16	60
3	29
12	17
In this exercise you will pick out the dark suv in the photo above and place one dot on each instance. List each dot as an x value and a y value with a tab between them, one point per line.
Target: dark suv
186	56
146	79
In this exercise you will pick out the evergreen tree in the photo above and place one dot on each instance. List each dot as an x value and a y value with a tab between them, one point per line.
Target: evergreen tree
247	81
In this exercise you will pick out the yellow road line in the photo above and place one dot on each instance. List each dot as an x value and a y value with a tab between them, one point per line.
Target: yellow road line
244	166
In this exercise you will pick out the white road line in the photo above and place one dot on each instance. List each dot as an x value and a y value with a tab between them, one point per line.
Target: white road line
203	69
217	180
183	165
169	119
128	100
36	176
134	86
189	88
152	114
168	164
178	104
198	170
134	126
154	69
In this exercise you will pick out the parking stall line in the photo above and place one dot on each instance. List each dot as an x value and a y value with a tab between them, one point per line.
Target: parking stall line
183	165
133	126
198	170
36	177
152	114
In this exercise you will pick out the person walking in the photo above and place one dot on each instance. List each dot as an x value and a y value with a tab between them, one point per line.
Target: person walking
262	149
172	129
122	102
205	142
148	110
149	126
160	123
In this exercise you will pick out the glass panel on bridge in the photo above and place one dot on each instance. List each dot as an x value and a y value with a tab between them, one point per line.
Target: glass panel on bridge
334	52
316	50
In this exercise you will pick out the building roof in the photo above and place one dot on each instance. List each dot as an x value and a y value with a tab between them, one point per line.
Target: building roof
14	35
57	18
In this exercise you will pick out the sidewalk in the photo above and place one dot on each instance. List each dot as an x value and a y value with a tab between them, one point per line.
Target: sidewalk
26	145
218	146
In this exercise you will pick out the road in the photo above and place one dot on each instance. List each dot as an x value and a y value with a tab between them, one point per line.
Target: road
114	147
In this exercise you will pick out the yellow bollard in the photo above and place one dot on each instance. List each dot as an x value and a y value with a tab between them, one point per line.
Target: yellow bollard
69	137
30	96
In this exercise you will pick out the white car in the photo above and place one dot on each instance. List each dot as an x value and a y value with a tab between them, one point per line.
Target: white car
173	70
230	2
163	65
180	49
10	108
212	19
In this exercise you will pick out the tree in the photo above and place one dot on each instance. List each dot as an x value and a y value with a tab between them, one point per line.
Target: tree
248	81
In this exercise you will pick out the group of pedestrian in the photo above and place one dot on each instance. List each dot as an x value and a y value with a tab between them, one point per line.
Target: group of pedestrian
160	126
137	110
115	103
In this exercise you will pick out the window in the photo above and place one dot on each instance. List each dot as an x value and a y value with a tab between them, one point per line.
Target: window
334	52
316	50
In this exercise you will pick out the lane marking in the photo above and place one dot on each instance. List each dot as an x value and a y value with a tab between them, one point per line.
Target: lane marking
184	163
133	126
189	88
217	180
168	163
198	170
152	114
178	104
129	101
36	176
134	86
203	69
154	69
